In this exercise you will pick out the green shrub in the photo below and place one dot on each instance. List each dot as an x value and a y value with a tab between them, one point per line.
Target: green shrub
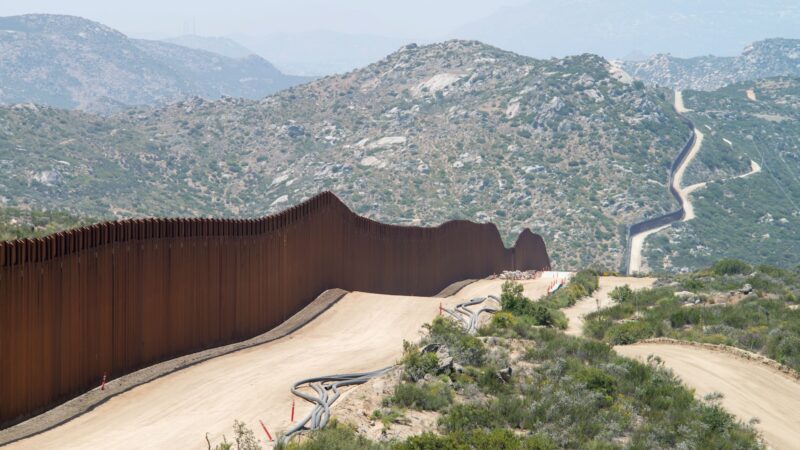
597	380
628	333
415	363
335	436
244	437
622	294
517	304
731	267
496	439
463	347
432	396
503	320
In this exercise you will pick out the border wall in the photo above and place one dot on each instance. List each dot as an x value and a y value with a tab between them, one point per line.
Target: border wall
115	297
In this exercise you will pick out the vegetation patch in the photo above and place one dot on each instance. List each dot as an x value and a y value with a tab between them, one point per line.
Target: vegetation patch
720	308
533	387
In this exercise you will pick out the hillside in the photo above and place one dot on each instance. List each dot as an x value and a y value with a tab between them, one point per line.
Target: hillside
763	59
70	62
753	218
451	130
18	223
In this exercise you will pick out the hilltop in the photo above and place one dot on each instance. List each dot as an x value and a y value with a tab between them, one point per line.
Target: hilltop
567	147
763	59
74	63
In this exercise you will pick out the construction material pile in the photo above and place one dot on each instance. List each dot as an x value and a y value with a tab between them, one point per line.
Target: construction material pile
517	275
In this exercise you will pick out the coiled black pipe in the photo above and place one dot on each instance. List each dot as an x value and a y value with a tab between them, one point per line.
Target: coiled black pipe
327	387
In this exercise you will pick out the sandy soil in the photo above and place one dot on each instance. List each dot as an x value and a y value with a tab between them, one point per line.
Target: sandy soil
677	180
751	95
749	389
361	332
679	106
600	297
637	245
754	169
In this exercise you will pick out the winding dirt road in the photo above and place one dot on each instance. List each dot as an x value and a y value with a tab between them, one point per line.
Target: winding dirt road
361	332
749	389
635	263
637	240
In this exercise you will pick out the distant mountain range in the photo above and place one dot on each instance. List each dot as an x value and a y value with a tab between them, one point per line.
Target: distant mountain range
316	53
219	45
616	28
763	59
74	63
313	53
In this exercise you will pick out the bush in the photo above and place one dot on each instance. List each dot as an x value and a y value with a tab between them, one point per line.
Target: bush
499	439
538	314
245	438
622	294
597	380
335	436
463	347
432	396
503	320
415	363
628	333
582	284
731	267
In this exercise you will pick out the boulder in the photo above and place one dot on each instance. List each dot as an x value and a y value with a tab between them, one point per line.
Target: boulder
445	360
505	374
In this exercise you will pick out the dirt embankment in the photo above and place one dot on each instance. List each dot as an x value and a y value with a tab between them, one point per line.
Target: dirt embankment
750	387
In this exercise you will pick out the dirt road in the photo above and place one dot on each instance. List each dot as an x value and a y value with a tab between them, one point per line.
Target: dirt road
677	180
749	389
679	106
637	241
361	332
600	297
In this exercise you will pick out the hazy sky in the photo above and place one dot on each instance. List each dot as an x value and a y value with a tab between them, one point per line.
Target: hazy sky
414	19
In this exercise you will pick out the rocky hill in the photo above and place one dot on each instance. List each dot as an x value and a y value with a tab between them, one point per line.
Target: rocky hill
753	217
452	130
74	63
763	59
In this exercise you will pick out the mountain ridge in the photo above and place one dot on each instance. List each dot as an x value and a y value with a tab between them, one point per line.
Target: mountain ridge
74	63
759	60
